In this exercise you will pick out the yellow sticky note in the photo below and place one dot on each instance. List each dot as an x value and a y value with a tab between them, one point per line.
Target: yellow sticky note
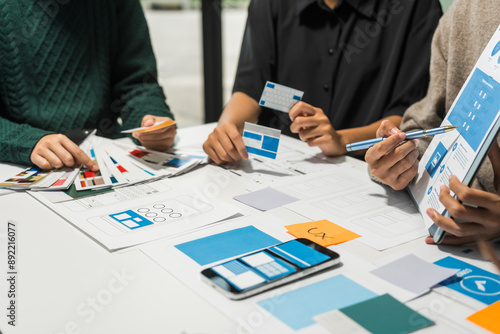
322	232
488	318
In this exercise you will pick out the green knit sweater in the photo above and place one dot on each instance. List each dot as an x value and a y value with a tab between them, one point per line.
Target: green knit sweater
73	64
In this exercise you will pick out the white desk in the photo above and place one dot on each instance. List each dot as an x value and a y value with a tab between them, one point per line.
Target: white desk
67	283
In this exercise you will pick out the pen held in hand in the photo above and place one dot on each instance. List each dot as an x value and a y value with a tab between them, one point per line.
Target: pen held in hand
365	144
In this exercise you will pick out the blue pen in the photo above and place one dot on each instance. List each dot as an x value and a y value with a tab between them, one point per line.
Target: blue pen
362	145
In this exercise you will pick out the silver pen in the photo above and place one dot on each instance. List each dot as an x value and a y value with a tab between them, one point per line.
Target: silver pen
362	145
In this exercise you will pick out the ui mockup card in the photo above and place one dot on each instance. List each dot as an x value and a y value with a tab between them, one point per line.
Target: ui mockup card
261	140
279	97
156	126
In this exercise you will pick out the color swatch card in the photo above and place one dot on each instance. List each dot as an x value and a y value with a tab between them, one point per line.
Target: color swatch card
279	97
261	141
154	127
322	232
87	179
380	315
302	304
164	163
472	281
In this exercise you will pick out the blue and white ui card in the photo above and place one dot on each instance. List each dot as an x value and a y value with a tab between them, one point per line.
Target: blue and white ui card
261	140
279	97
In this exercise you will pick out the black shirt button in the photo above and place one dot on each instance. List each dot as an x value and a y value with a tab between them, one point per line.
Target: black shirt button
331	51
326	87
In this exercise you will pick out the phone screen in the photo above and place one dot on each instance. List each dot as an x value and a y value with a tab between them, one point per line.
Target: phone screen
270	265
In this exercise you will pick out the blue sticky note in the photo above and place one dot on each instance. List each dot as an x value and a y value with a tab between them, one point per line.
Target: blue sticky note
227	244
472	281
297	308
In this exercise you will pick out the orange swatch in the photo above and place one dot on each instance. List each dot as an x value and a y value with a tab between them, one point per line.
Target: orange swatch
488	318
322	232
154	127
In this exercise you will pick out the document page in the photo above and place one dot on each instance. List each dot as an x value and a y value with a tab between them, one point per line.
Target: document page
475	113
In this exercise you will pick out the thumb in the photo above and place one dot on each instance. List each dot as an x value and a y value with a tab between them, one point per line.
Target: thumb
148	120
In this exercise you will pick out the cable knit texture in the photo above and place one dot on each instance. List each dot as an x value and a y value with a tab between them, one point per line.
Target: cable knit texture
462	34
73	64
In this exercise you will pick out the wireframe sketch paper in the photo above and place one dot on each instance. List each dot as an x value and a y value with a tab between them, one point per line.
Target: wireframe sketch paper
475	112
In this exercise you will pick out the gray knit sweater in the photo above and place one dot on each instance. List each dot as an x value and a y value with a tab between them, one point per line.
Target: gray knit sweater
462	34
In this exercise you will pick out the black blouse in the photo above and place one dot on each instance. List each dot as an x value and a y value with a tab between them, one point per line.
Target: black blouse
363	61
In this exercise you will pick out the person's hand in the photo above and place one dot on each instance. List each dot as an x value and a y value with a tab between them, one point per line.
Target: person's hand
158	140
57	150
314	127
482	219
225	144
395	164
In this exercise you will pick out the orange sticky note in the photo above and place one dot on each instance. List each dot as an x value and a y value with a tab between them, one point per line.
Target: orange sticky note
488	318
154	127
322	232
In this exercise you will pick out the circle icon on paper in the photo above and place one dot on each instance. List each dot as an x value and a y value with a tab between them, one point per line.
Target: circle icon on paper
481	285
429	191
454	147
496	49
441	169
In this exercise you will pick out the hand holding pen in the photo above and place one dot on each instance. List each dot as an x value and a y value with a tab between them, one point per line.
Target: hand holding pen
394	159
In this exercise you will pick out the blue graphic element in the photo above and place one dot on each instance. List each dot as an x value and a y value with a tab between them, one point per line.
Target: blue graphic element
472	281
304	303
252	135
131	219
227	244
298	98
476	108
270	85
429	191
454	147
436	159
441	169
299	254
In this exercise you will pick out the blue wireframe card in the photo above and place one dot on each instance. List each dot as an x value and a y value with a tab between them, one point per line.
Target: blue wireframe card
279	97
261	140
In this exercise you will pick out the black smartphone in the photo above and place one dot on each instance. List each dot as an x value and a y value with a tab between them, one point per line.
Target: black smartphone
265	269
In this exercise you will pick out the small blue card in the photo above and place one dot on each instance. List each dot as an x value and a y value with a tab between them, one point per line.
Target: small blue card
279	97
261	140
472	281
